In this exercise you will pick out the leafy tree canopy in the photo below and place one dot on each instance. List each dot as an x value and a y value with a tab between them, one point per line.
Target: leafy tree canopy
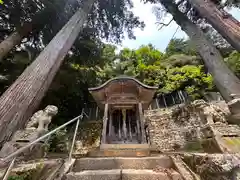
179	68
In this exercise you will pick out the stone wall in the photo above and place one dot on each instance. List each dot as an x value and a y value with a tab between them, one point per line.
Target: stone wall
180	127
214	166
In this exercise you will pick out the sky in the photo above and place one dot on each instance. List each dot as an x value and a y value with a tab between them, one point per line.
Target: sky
151	34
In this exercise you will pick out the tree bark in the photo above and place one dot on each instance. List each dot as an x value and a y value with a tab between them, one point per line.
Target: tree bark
224	79
222	21
16	37
20	100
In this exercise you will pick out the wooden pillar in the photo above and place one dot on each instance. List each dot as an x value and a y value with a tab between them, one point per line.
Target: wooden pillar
124	123
97	113
150	107
143	137
157	103
138	125
105	119
129	127
138	128
173	100
119	128
164	100
110	126
179	97
183	97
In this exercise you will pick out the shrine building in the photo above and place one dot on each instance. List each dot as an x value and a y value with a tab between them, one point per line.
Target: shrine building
123	100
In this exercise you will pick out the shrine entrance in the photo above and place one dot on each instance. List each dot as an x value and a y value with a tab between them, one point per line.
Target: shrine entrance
124	128
123	100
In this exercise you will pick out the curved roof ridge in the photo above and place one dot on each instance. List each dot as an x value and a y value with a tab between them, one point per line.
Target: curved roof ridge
120	78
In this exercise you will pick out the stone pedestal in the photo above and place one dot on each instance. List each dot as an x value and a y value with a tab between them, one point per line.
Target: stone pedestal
34	152
20	139
27	135
234	107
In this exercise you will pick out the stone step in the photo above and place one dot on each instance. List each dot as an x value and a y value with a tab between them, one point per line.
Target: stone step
124	146
118	153
107	163
183	169
230	144
125	174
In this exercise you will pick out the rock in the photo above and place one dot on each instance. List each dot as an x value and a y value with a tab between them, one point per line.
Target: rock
234	106
214	166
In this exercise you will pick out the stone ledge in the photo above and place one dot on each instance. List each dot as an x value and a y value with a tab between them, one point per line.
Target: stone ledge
124	146
126	174
107	163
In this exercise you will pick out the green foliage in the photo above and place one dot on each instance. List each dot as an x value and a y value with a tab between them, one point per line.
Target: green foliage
179	60
22	175
89	132
180	46
233	62
58	142
190	78
170	71
27	174
194	146
16	177
92	62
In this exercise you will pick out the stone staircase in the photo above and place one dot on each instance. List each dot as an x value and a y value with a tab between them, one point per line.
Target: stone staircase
124	168
121	150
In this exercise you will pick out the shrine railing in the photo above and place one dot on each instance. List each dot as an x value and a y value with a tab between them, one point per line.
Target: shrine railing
20	150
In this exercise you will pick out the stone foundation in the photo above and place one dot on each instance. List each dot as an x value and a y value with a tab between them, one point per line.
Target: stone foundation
171	129
188	127
214	166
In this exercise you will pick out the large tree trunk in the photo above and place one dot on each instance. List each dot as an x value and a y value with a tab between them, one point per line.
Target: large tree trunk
224	79
20	100
37	23
14	39
222	21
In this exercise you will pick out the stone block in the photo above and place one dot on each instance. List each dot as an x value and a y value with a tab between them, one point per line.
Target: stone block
210	146
214	166
125	174
234	106
230	144
108	163
132	174
207	132
34	152
227	129
95	175
26	135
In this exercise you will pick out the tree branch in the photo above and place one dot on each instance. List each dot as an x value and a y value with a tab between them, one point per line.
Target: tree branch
163	24
180	2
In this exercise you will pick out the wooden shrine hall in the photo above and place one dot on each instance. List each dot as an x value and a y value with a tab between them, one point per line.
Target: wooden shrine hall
123	100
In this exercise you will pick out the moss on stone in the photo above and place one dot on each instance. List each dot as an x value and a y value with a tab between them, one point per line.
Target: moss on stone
89	132
193	146
27	175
